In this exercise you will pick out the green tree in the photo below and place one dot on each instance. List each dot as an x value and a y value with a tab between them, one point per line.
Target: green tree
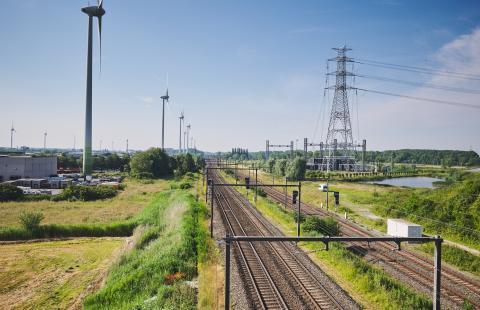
152	163
296	169
280	166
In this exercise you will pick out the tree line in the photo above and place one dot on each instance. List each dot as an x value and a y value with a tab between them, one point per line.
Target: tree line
446	158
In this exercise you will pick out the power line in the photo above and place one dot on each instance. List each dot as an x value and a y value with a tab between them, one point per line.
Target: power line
459	104
419	70
427	85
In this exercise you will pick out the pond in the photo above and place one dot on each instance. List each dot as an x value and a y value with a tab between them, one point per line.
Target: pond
417	182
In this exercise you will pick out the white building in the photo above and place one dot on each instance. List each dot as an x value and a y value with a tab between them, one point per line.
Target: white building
21	167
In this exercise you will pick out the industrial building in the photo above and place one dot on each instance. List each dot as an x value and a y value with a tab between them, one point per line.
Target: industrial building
24	167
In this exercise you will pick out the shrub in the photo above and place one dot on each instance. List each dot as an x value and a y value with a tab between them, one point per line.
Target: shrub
30	220
295	217
261	192
9	192
86	193
185	185
327	226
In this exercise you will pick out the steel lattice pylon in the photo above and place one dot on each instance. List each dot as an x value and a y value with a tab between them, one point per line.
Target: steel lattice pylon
339	144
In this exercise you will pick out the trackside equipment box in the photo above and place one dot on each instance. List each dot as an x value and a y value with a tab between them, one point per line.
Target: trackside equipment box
402	228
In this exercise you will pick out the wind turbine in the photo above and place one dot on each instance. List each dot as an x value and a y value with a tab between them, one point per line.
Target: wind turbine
98	12
12	130
164	98
188	135
45	141
181	117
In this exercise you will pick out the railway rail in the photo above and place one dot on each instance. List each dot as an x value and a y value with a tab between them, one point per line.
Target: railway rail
456	287
274	275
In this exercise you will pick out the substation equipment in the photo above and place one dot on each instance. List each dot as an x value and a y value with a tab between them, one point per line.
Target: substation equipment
268	145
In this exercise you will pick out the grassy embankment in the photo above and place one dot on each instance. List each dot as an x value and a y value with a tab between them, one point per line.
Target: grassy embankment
211	274
366	283
365	203
109	217
55	274
157	273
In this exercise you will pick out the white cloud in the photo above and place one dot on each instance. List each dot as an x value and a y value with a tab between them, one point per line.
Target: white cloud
148	100
409	123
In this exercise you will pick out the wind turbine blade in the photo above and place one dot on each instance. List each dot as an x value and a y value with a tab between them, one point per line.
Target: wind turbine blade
100	3
100	36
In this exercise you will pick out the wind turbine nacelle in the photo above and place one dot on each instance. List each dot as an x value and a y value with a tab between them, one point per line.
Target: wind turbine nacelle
93	11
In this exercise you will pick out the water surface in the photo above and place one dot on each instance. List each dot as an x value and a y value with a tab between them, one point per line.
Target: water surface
417	182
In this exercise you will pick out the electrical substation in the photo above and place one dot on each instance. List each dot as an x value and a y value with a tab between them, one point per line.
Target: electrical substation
339	152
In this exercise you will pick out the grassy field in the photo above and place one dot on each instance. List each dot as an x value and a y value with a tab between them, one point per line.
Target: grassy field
124	206
54	274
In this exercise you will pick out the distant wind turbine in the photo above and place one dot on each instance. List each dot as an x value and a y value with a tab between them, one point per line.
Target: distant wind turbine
181	117
188	136
164	98
45	141
98	12
12	130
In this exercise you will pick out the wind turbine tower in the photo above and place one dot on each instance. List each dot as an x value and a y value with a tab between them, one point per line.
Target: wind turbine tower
181	117
98	12
45	141
12	130
164	98
188	135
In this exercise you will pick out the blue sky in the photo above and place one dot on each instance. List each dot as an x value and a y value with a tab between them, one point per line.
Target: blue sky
243	71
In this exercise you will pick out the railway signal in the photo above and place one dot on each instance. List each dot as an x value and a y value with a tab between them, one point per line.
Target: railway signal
336	195
294	197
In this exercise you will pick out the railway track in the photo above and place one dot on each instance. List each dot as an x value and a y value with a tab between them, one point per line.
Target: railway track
456	287
274	275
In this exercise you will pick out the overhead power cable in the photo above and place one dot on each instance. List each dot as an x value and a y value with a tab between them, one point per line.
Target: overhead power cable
427	85
459	104
431	71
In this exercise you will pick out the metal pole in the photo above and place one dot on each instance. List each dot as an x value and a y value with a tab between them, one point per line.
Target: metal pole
256	181
227	274
206	188
437	274
211	209
298	208
286	193
327	194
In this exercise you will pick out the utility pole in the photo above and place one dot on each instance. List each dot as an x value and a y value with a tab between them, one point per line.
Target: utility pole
164	98
101	145
74	142
127	147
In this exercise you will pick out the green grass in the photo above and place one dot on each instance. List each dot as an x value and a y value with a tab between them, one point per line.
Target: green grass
462	259
124	206
363	281
53	274
153	275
